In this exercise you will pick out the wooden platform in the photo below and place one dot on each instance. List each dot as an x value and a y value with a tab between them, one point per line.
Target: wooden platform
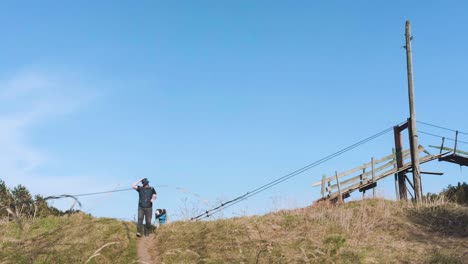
454	158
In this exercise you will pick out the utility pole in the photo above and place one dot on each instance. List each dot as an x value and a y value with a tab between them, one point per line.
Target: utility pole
413	132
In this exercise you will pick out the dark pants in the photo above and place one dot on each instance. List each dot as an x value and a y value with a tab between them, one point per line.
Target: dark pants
147	213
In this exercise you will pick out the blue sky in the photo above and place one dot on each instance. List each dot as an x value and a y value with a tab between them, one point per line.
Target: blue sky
219	97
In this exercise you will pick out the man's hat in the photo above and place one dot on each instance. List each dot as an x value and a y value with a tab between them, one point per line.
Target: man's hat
145	181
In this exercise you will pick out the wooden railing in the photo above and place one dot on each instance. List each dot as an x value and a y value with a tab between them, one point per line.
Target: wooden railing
366	175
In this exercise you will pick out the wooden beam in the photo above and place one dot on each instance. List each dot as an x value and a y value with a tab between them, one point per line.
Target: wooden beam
370	186
449	149
432	173
408	180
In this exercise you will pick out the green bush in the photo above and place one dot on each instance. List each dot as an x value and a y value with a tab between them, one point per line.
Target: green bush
17	203
457	194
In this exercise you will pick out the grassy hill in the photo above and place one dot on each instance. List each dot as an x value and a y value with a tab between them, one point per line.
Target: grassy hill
369	231
75	238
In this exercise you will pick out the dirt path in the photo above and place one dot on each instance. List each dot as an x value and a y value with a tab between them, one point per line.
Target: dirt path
143	246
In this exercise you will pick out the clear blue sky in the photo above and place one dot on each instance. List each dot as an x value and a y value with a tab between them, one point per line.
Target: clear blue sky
218	97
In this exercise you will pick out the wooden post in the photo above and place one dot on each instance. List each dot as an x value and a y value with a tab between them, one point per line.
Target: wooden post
373	176
362	178
340	197
324	178
412	128
442	146
399	157
397	197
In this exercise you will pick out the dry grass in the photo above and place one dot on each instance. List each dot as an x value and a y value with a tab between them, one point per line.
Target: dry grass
74	238
369	231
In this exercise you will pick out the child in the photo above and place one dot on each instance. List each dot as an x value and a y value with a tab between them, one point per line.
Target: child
161	216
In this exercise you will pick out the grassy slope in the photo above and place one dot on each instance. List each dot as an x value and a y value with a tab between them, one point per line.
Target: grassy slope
67	239
371	231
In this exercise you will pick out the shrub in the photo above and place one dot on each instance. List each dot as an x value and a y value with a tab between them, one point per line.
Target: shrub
457	194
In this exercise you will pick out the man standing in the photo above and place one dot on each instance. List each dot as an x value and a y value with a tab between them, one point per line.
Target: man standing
147	195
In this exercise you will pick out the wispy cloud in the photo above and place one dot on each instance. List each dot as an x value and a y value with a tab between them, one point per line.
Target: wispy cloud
33	98
29	98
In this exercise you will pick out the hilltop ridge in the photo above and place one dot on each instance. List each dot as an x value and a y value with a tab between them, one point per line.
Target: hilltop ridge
368	231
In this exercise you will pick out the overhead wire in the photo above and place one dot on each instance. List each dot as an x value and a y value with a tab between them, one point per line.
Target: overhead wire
111	191
103	192
441	127
439	136
183	190
73	196
264	187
